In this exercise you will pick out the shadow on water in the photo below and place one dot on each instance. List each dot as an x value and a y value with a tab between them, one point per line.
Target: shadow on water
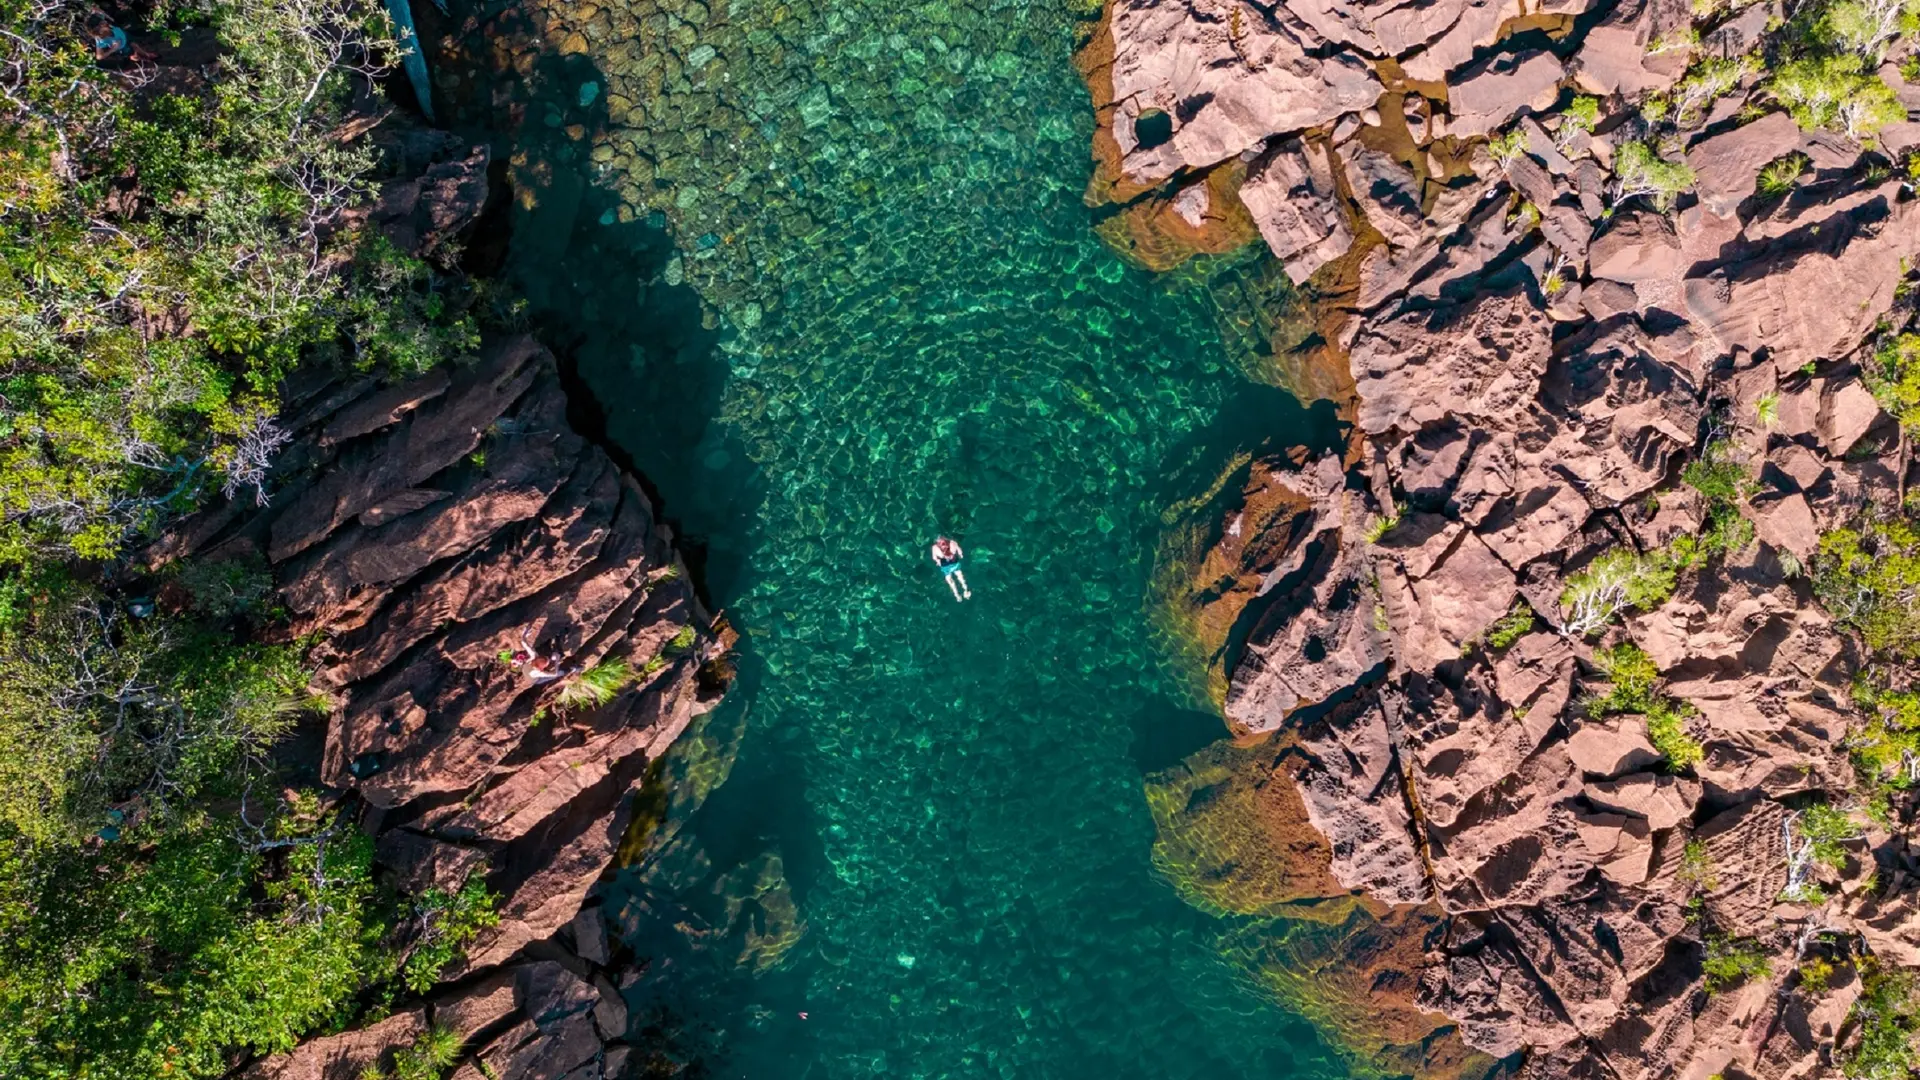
645	375
952	792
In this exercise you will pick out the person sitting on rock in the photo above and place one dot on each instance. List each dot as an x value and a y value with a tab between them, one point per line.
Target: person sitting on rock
947	556
540	668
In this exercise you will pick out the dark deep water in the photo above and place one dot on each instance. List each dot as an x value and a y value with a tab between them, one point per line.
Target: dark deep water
933	840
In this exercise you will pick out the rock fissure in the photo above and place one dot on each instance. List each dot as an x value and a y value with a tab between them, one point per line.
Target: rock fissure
1554	383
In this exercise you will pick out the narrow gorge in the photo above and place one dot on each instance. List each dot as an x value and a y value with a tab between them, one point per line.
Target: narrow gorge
1434	480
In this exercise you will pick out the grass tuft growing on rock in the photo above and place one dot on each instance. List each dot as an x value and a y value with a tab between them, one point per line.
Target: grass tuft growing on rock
1778	177
597	685
1512	626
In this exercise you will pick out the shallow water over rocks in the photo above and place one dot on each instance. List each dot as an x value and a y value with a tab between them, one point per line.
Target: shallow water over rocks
827	272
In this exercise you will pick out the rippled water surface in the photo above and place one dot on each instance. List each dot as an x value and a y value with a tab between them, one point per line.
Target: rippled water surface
933	841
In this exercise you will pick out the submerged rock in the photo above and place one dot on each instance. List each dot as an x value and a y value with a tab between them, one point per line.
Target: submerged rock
1538	351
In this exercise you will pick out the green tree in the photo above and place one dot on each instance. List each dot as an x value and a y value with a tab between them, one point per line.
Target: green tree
1839	93
1638	169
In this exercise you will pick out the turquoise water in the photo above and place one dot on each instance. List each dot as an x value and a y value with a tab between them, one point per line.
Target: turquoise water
932	841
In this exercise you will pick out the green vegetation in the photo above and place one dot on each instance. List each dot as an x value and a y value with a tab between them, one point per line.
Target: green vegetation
1512	626
1865	28
1731	961
1888	1017
1667	731
1633	675
1886	747
1816	974
1381	526
1507	146
1707	81
1696	867
447	922
1777	177
1616	581
98	709
1825	70
597	685
1634	682
1582	115
1825	828
165	262
176	957
429	1058
1837	93
239	223
1894	377
1867	575
1638	169
1721	478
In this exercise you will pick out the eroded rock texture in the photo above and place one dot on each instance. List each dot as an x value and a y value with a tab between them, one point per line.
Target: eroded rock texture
428	531
1538	350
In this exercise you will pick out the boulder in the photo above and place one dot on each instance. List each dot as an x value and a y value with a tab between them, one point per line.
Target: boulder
1611	746
1485	98
1480	359
1223	80
1290	193
1639	246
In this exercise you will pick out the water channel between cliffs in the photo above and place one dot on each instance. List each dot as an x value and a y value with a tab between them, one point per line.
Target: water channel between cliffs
934	841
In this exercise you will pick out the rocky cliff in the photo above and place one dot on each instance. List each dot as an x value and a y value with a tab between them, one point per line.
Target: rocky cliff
464	562
1540	653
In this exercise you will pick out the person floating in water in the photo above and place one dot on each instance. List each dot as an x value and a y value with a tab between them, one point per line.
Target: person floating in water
947	556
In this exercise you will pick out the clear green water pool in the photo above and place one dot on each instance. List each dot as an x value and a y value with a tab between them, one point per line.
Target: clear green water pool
933	841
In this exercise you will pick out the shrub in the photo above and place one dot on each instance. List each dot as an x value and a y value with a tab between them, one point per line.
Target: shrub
1582	115
1619	579
1886	747
1837	93
1825	829
1867	27
1633	675
1710	79
1868	576
1718	475
1667	731
1888	1018
239	221
162	965
1816	974
1512	626
1507	146
448	923
1894	377
1721	478
97	708
1696	867
1638	169
1732	961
